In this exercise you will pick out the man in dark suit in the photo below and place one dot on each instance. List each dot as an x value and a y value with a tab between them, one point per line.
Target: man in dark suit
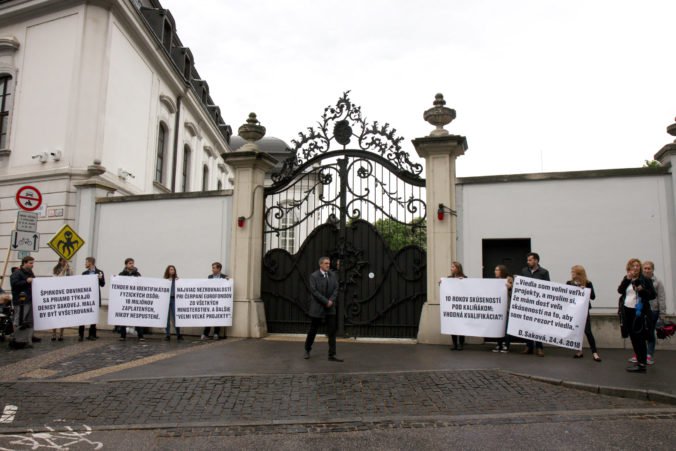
534	271
324	292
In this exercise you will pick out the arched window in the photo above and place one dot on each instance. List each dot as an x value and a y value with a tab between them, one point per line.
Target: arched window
186	168
159	162
205	178
5	81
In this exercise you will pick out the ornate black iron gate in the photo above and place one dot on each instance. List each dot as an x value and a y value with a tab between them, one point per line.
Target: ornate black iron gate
365	209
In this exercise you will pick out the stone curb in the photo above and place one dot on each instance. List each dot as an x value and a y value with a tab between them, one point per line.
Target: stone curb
620	392
607	414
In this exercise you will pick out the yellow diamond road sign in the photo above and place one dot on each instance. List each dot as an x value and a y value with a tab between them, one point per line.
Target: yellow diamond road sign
66	242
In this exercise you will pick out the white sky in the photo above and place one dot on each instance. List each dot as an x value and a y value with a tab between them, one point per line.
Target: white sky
537	84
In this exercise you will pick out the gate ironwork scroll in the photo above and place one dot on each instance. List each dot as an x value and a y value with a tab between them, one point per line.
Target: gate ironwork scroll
362	206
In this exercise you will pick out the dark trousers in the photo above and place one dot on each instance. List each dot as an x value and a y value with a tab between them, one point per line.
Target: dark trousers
458	340
92	331
589	335
636	334
331	326
534	344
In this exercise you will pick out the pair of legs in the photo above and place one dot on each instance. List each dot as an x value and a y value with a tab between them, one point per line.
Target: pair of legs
537	345
637	336
331	327
92	332
123	332
23	326
652	340
590	338
172	317
458	342
504	342
218	332
54	332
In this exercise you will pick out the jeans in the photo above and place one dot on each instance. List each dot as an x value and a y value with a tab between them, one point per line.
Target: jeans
331	327
170	316
652	340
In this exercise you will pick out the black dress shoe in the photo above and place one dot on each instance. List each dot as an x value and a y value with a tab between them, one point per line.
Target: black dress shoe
636	369
35	339
333	358
306	355
80	338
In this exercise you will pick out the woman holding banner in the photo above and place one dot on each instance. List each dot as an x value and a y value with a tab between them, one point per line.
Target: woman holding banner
501	272
62	269
457	273
636	292
170	273
578	277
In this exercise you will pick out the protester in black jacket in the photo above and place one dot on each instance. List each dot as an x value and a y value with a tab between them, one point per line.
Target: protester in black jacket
90	264
22	298
534	271
130	271
636	292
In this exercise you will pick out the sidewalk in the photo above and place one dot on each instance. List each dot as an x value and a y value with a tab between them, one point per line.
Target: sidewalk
276	356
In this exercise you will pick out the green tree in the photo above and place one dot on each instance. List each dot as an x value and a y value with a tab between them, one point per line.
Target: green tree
398	235
652	164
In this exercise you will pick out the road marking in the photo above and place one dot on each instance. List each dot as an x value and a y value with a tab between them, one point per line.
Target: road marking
8	414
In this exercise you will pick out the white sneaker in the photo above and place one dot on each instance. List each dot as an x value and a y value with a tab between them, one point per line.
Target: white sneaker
203	337
496	349
633	359
216	337
504	349
650	360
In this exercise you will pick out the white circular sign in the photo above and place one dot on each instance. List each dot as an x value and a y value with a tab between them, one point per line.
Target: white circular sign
371	275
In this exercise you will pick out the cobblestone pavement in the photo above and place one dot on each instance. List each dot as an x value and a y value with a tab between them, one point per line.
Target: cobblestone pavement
304	397
57	360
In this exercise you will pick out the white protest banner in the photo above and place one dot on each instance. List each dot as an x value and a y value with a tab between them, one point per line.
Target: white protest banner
550	312
203	302
65	301
138	301
474	307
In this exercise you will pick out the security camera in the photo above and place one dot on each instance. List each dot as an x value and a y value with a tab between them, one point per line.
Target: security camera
41	157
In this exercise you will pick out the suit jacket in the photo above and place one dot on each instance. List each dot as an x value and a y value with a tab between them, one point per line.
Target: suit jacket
540	273
322	289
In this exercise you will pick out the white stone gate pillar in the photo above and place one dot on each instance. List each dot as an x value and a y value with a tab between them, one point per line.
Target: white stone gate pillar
440	150
246	251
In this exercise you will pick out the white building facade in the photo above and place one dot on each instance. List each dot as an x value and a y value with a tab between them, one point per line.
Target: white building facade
99	98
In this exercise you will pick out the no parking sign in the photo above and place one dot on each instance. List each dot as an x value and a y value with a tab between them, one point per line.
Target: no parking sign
28	198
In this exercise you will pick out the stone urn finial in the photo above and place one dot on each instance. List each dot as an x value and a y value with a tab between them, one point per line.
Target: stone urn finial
439	115
252	131
671	129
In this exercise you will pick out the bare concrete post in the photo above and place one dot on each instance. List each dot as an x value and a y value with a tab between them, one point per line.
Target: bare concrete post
440	150
249	165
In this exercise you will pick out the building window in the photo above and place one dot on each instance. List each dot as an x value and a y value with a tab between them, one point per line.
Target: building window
5	81
287	238
205	178
159	163
186	168
166	35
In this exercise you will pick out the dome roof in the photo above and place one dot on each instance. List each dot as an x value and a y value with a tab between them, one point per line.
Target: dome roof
277	148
